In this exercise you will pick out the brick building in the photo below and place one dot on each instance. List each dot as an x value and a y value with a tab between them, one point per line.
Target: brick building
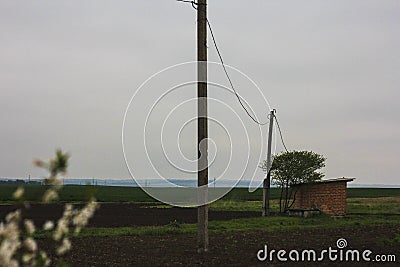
328	196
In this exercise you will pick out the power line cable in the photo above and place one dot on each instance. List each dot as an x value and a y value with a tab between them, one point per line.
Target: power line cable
229	79
280	133
186	1
194	4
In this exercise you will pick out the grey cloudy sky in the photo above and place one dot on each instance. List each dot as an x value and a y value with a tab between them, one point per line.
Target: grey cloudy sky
69	68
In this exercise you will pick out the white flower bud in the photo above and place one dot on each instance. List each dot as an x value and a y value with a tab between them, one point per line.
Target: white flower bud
49	225
49	195
30	244
13	216
18	193
29	226
65	246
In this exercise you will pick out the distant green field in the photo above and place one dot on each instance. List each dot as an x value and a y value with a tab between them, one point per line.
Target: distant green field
77	193
365	206
373	192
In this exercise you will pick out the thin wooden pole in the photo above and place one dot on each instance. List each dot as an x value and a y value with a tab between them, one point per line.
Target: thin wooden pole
202	123
267	180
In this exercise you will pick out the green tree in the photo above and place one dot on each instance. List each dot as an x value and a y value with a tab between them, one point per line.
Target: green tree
291	168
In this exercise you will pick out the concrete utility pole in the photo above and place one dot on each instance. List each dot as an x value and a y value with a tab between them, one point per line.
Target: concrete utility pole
202	124
267	180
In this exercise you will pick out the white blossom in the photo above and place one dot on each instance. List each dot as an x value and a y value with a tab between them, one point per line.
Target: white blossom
10	231
13	216
65	246
29	226
27	251
27	257
68	210
49	225
61	229
49	195
82	217
15	242
8	247
18	193
46	259
30	244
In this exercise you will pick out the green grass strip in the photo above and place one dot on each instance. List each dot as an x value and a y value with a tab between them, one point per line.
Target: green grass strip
266	224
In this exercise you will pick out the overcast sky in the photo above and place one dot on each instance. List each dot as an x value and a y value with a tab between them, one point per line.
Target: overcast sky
68	70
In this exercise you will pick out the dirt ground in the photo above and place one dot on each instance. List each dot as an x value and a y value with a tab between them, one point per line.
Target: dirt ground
125	215
227	249
230	249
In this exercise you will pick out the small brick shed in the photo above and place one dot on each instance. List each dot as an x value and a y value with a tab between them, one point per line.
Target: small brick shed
329	196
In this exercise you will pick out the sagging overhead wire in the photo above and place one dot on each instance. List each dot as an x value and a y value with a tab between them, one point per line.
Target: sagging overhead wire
229	79
280	133
194	4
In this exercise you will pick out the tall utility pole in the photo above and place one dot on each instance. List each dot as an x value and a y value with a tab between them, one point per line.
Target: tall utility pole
267	180
202	125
